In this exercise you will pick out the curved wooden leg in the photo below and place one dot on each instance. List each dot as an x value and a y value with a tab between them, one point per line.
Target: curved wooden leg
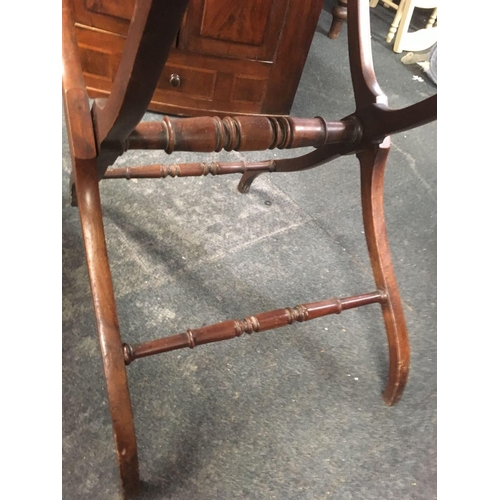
246	181
339	14
86	182
372	163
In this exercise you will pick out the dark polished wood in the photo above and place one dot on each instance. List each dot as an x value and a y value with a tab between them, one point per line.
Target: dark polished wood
373	163
151	34
240	133
227	56
98	137
339	15
256	323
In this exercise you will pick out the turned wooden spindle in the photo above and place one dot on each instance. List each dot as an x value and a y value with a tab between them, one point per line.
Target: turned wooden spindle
432	19
339	14
189	169
393	29
98	137
240	133
256	323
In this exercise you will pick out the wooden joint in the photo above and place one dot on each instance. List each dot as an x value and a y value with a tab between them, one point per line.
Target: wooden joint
353	125
384	296
128	353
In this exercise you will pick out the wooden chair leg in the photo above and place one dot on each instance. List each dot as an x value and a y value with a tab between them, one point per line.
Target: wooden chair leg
432	20
339	14
418	40
86	183
246	181
395	22
372	162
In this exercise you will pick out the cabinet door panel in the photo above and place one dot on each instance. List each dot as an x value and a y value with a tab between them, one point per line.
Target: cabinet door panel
234	28
204	84
236	22
122	10
231	56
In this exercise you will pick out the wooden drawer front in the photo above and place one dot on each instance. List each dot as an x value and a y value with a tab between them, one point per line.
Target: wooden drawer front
233	28
195	82
248	88
206	84
211	85
100	53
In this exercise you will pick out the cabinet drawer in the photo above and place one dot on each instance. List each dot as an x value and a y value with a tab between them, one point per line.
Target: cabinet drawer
197	83
230	56
210	85
189	84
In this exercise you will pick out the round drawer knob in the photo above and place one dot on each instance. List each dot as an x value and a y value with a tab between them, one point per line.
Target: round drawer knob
175	80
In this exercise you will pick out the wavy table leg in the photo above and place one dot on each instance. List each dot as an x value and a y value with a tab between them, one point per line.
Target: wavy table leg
86	183
373	163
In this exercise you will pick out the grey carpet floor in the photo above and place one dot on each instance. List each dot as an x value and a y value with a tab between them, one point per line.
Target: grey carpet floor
294	413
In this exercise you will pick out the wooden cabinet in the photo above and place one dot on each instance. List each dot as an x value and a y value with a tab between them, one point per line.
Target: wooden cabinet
230	56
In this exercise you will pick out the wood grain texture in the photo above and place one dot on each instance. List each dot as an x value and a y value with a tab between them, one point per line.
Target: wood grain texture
240	133
234	28
339	15
253	52
257	323
153	29
84	160
373	163
97	139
